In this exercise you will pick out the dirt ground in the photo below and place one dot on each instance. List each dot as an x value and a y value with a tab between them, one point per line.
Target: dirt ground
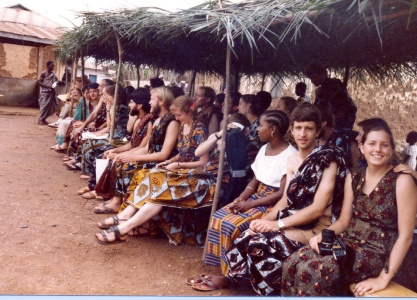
47	231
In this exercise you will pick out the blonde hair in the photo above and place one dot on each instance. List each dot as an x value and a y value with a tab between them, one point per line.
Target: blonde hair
182	104
165	94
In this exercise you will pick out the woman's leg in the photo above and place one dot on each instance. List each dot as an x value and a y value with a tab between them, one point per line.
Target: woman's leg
146	213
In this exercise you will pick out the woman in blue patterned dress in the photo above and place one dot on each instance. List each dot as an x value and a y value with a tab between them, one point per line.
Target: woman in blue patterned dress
376	224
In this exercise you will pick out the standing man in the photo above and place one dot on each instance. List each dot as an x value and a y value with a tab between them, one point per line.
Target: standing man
300	91
333	93
47	97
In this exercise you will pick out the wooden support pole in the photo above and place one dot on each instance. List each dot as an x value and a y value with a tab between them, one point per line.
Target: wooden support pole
119	69
223	143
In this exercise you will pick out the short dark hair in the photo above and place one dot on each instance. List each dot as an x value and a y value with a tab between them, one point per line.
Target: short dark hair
156	82
239	118
93	86
411	137
177	91
208	93
142	96
264	100
289	102
220	98
301	86
49	62
326	115
235	98
306	112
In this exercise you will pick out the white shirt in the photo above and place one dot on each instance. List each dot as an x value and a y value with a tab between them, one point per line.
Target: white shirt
270	169
411	151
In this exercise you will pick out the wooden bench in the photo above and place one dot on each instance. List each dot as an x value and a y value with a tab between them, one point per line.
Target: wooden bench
392	290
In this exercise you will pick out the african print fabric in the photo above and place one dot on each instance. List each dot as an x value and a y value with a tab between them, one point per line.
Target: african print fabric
272	248
226	226
371	235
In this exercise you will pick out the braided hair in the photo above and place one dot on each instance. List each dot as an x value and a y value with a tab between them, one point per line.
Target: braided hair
279	119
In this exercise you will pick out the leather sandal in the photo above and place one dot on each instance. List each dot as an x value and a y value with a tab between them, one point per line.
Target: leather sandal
207	284
83	190
116	221
106	210
119	238
89	195
191	280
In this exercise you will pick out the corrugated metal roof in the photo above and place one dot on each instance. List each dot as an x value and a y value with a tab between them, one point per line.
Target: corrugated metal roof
22	23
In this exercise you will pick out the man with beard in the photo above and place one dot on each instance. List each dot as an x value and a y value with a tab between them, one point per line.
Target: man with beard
161	145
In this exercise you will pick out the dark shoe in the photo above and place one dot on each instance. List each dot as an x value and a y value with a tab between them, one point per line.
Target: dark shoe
106	210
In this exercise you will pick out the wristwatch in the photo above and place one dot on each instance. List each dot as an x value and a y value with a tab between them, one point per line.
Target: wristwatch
281	224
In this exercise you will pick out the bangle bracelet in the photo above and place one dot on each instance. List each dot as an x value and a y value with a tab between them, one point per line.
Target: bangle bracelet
251	188
389	267
217	137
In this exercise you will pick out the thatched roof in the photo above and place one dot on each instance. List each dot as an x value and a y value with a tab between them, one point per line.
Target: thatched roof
266	36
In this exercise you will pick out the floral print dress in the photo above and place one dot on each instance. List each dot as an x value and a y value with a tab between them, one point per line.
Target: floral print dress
370	236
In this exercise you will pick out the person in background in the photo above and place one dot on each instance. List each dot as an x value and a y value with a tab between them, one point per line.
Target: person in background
47	96
287	105
300	91
409	153
332	92
204	109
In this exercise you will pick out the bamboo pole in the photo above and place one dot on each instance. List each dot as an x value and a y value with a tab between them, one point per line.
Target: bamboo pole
223	143
116	92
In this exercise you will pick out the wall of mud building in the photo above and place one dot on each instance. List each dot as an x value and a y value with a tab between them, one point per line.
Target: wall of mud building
19	73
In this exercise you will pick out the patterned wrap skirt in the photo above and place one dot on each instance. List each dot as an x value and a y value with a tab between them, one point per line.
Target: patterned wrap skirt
226	226
259	258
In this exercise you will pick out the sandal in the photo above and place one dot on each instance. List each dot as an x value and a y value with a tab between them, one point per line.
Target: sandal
116	221
118	238
192	280
67	158
59	149
137	231
89	195
207	285
83	190
106	210
74	167
84	177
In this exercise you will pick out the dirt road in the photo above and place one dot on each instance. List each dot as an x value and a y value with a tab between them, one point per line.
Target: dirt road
47	231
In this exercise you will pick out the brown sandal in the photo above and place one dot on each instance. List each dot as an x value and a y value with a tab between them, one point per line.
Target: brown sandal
83	190
118	238
116	221
207	285
90	195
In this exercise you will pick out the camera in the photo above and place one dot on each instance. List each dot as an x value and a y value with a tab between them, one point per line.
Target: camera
331	245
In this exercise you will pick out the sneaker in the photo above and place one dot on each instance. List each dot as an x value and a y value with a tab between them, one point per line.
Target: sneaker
53	124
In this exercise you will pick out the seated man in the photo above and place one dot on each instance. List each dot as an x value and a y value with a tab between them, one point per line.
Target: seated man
313	195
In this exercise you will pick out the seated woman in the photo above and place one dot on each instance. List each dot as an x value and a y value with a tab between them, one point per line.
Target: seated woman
261	193
139	111
82	111
93	148
376	224
177	182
